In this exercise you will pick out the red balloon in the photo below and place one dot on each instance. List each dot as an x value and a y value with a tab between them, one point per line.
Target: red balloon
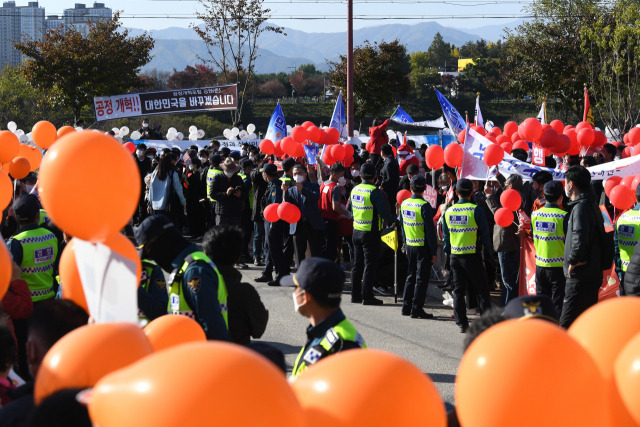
307	124
572	134
326	157
402	196
315	134
266	146
348	161
531	129
331	135
610	183
622	197
521	145
434	157
574	150
627	180
271	213
130	146
289	212
515	137
461	136
583	125
288	145
277	148
511	199
636	181
545	126
299	134
503	217
348	150
493	155
337	152
491	138
479	129
586	137
510	128
548	138
626	152
600	139
502	139
507	147
567	127
625	139
557	125
496	131
453	155
634	136
563	143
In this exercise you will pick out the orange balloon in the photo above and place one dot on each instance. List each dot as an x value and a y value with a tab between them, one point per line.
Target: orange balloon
19	167
44	134
368	388
627	377
65	130
604	330
9	144
171	330
32	154
6	190
196	384
85	199
525	363
70	277
85	355
6	268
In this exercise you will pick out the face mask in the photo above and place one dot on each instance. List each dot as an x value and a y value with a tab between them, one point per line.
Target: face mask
299	178
342	181
190	167
296	306
151	157
28	188
145	125
229	174
355	173
202	159
566	190
243	153
140	153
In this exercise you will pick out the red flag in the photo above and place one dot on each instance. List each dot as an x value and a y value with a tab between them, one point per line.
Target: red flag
588	114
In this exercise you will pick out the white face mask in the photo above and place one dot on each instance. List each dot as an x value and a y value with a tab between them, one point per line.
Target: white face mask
190	167
342	181
243	153
299	178
202	159
140	153
296	306
566	190
229	174
355	173
145	125
151	157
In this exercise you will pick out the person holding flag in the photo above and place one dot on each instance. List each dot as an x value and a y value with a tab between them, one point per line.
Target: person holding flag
419	236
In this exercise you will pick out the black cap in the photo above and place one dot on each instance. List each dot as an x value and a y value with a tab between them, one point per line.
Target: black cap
235	155
553	190
151	228
288	163
247	163
215	160
531	307
368	170
26	207
270	169
464	185
322	278
418	181
413	169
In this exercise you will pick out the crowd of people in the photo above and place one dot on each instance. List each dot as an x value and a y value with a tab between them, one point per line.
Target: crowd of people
218	196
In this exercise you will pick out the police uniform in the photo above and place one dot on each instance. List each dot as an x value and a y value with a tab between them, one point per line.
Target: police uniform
152	293
211	174
465	234
419	237
627	234
547	229
369	208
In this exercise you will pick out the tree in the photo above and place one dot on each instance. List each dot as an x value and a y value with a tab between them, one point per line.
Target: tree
381	76
231	32
440	52
272	89
73	69
197	76
612	45
423	76
154	80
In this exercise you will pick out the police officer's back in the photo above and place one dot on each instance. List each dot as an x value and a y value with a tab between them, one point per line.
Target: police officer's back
318	290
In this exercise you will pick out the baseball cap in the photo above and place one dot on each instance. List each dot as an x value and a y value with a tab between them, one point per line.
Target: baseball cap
247	163
215	159
368	170
413	169
464	184
151	228
531	307
418	181
553	189
270	169
288	163
320	277
26	207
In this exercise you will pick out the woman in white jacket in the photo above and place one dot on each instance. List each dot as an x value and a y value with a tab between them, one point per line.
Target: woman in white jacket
164	181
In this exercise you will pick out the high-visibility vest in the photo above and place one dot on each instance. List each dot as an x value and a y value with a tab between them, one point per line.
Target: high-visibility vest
628	230
251	192
325	203
177	303
211	173
547	228
343	331
39	252
147	270
412	221
363	208
463	229
43	217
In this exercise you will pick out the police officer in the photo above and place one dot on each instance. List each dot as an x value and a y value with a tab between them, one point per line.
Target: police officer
419	233
196	289
628	234
152	293
465	234
319	284
547	228
213	170
369	208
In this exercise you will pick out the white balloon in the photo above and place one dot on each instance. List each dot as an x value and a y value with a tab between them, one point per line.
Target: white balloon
179	136
251	128
171	136
23	138
173	131
200	133
192	129
135	135
227	133
193	137
124	131
118	138
78	129
12	126
489	125
19	132
356	133
289	129
252	136
243	134
29	136
235	131
116	130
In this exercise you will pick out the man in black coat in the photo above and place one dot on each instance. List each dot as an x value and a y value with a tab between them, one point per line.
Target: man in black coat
259	188
390	176
227	190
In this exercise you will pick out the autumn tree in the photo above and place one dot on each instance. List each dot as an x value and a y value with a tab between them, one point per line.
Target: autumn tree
154	80
199	75
381	76
230	33
73	68
272	89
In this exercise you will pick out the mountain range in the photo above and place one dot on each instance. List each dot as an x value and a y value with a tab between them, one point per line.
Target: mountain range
175	47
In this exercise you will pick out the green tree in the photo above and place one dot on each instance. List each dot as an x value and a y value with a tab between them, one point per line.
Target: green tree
423	76
440	52
484	77
72	69
381	76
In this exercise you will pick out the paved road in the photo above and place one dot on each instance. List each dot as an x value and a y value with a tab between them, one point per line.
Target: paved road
435	346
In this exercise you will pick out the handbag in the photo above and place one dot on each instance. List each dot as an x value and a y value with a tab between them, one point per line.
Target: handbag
174	206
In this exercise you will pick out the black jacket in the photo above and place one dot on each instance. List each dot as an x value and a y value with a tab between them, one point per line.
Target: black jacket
582	241
227	205
390	175
259	188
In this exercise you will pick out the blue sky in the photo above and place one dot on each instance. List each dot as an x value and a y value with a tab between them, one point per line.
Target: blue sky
466	14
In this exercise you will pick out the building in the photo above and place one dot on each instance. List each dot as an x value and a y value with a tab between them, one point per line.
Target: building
81	16
53	22
9	33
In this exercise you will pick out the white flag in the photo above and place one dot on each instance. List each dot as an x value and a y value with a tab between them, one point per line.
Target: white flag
478	120
542	115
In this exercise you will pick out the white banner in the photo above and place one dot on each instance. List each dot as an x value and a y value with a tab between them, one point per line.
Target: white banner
233	144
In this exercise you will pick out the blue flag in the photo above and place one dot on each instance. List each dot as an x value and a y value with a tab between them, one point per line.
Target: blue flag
455	121
311	151
339	118
277	128
401	116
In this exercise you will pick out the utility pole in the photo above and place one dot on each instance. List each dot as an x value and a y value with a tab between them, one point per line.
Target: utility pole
350	68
